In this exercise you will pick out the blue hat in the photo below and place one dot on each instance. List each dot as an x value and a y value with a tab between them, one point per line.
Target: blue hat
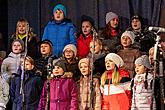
61	7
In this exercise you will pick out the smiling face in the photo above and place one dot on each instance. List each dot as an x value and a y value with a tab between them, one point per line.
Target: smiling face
58	15
114	22
84	69
57	70
126	41
110	65
16	47
86	28
140	69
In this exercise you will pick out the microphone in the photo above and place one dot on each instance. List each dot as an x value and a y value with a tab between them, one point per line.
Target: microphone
156	29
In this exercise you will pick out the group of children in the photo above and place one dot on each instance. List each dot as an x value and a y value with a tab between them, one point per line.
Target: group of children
105	72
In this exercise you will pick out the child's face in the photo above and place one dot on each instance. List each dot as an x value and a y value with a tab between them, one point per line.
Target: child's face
97	48
110	65
16	47
28	65
86	27
151	56
140	69
57	71
136	24
114	23
21	27
58	15
126	41
45	49
68	54
84	69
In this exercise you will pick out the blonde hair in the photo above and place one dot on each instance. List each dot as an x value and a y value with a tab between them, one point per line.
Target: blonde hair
115	77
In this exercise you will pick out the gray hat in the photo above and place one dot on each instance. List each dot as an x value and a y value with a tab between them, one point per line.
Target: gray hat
20	41
130	34
143	60
60	63
110	16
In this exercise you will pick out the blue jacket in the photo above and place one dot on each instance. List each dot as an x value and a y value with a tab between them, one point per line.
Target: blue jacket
32	90
60	34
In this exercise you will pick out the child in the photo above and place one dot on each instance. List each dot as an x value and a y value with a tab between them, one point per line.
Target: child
32	87
46	51
115	84
99	56
142	97
85	36
11	64
71	61
128	53
63	91
60	30
23	31
111	33
84	88
4	93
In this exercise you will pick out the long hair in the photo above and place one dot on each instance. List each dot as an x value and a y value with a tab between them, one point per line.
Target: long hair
115	76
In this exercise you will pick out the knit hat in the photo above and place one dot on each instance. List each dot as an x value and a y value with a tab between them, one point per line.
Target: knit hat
60	63
72	47
20	41
143	60
130	34
110	16
84	60
115	58
60	7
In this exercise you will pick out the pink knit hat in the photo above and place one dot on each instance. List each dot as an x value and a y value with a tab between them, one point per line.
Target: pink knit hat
110	16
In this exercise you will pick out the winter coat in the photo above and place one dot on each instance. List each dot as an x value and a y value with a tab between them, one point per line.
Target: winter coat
72	66
143	97
4	93
129	56
32	90
63	94
10	65
60	34
83	45
117	97
84	98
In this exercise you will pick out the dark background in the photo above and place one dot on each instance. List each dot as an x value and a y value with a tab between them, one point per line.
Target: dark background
38	12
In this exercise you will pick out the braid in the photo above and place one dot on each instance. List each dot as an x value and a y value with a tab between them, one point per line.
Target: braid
145	82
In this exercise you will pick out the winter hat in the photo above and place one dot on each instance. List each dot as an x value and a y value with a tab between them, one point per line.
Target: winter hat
136	17
115	58
72	47
20	41
110	16
84	60
60	63
143	60
60	7
130	34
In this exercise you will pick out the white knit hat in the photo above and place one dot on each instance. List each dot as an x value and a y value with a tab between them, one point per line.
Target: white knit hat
143	60
130	34
110	16
115	58
72	47
84	60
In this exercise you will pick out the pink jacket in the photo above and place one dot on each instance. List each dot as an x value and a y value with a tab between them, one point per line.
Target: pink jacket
63	94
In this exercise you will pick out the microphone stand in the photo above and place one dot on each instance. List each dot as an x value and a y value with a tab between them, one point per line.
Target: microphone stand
158	62
23	70
91	65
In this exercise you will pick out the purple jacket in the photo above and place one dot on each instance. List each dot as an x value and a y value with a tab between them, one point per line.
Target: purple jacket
63	94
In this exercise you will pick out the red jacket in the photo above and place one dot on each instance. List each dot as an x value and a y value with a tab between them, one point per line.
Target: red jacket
83	45
63	95
117	97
